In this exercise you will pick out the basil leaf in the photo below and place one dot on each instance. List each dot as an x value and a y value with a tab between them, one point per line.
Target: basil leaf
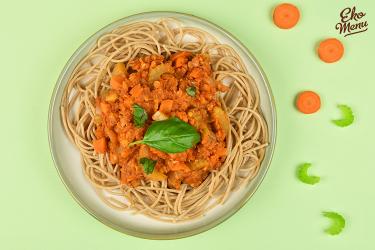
139	115
170	136
191	91
148	165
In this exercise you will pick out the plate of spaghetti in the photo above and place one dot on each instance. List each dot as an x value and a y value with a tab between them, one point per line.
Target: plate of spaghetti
162	125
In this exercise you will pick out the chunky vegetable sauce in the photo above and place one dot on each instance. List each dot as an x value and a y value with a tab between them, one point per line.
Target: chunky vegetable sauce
154	88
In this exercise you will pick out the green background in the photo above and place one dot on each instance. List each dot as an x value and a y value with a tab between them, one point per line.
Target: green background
36	212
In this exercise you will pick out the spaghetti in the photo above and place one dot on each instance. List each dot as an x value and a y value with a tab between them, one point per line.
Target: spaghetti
246	141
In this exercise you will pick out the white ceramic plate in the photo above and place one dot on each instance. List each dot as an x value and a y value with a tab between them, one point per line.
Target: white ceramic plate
67	159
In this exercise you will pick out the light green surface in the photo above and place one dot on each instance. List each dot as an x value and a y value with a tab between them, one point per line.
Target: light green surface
36	212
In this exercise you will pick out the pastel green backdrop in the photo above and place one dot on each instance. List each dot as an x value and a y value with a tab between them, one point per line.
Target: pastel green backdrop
36	212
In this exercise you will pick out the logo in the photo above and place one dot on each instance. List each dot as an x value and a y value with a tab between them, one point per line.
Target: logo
351	22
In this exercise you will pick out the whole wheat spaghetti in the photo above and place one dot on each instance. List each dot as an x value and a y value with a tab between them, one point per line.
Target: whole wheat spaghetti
246	141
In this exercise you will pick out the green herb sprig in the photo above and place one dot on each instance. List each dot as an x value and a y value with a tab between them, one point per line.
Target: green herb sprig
139	116
148	165
171	136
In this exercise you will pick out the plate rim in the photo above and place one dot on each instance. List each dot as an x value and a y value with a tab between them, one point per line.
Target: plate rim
207	226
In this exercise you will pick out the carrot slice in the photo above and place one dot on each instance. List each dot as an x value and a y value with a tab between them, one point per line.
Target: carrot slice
330	50
286	16
308	102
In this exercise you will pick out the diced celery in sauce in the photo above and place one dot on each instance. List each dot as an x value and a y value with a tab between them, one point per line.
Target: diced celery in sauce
222	118
160	69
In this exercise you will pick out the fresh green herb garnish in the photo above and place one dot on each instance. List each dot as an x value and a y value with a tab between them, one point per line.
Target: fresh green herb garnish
347	114
148	165
191	91
338	223
303	175
170	136
139	115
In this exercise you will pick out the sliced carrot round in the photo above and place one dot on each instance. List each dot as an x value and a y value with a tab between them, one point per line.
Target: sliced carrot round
330	50
308	102
285	16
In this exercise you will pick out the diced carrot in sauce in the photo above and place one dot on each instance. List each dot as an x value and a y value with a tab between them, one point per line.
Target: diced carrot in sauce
99	132
105	107
182	115
100	145
181	54
126	153
206	87
113	158
179	156
166	106
180	61
180	58
196	73
116	81
178	166
175	179
111	134
136	90
111	96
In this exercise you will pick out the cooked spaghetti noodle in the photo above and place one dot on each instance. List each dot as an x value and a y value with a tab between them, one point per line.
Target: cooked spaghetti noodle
246	142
